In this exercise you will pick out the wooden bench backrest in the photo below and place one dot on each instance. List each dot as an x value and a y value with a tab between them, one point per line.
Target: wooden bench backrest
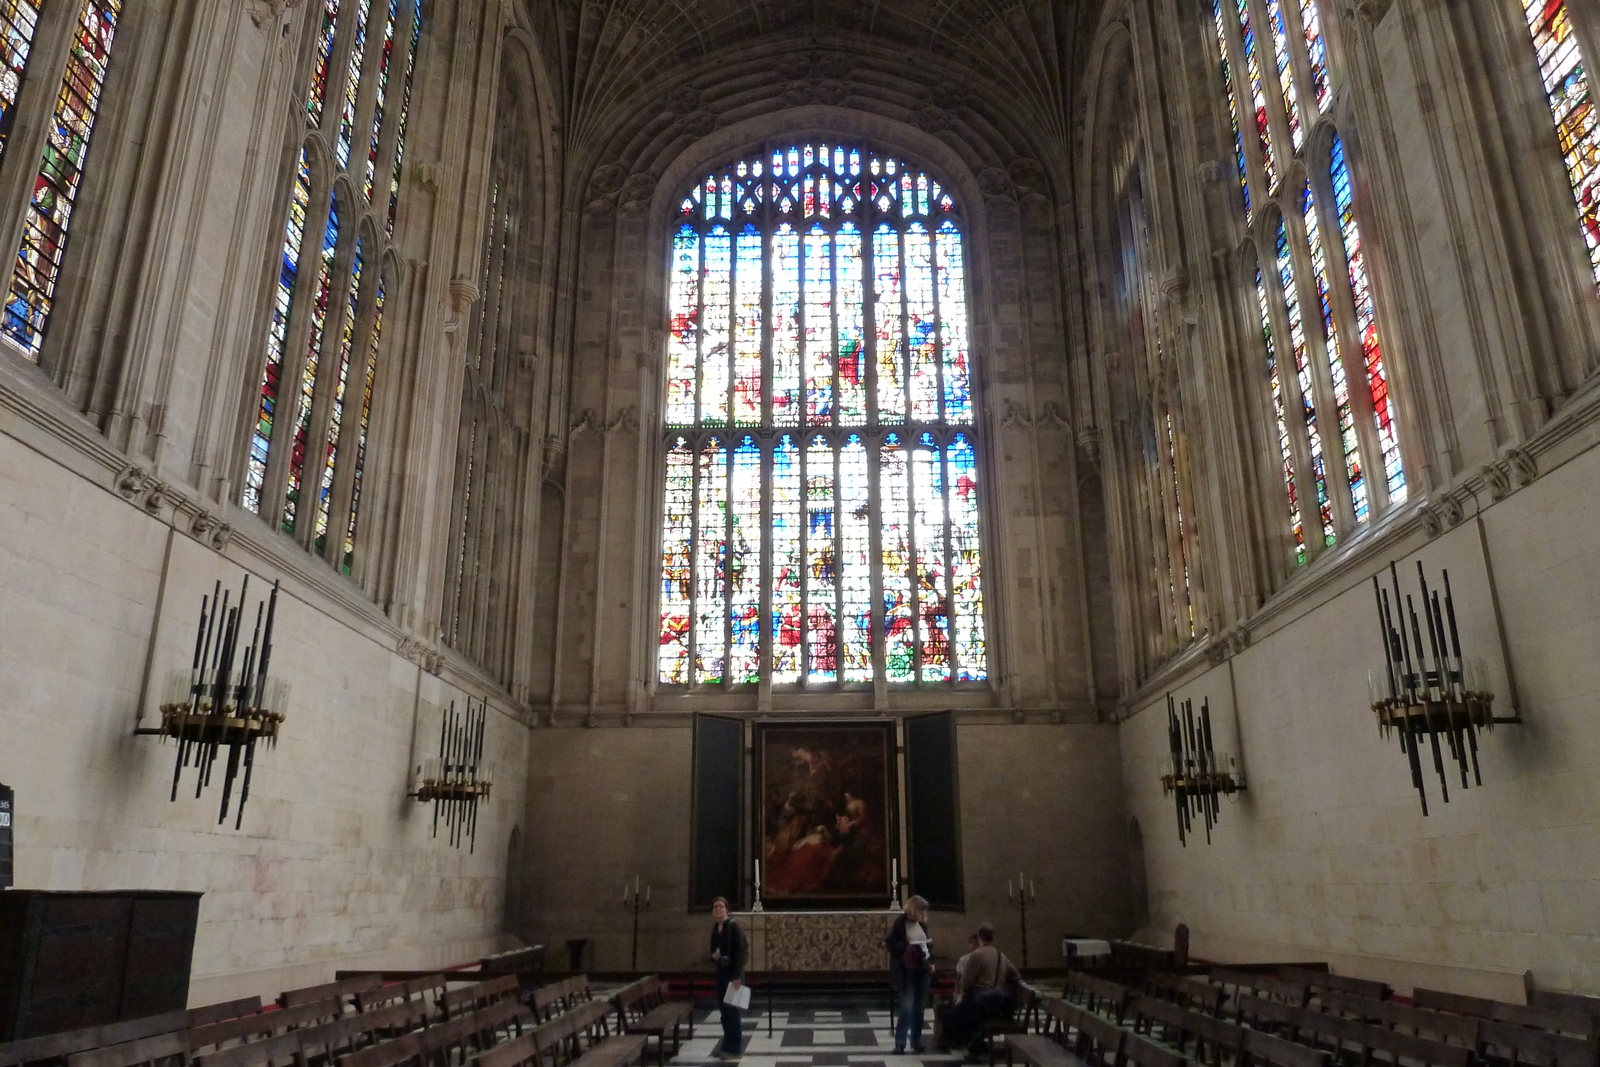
347	987
381	997
1159	1011
397	1053
326	1043
1146	1053
1555	1020
1539	1048
157	1049
1277	1052
1104	1036
518	1053
1460	1030
502	1015
1343	983
1574	1002
1439	1000
547	1001
1256	1011
446	1037
270	1052
59	1046
230	1009
1266	985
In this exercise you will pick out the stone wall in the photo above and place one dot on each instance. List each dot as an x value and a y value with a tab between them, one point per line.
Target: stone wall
607	804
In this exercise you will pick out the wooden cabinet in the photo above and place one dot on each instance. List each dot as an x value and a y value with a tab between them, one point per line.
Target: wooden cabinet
70	960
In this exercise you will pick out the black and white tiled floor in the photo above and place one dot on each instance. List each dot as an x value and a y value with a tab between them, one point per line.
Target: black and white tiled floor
848	1036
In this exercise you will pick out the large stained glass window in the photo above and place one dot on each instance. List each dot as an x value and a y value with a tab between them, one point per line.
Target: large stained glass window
308	444
1567	84
821	474
46	221
1322	311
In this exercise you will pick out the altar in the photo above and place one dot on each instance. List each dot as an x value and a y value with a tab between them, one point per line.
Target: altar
817	940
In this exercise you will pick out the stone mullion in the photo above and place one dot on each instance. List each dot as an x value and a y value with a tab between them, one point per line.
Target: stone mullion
1333	453
480	520
491	589
1277	107
1244	109
362	353
1300	65
872	440
1294	410
362	112
455	537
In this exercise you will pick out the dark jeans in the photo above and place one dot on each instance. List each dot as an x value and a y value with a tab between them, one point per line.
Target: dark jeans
909	1005
732	1018
962	1022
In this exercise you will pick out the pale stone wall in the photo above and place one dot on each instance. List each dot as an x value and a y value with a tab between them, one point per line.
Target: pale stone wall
607	804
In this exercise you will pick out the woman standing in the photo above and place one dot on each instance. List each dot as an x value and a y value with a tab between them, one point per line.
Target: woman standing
728	953
910	973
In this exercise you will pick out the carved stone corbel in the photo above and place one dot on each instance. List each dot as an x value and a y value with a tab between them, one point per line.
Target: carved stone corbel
265	11
463	294
1524	470
211	530
626	421
1496	480
1089	444
587	422
427	658
135	483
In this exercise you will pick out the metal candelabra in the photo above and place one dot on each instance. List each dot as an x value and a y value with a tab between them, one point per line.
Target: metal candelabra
1022	899
636	898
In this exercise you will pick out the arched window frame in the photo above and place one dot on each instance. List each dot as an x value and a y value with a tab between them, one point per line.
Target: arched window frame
330	294
49	130
1300	104
872	436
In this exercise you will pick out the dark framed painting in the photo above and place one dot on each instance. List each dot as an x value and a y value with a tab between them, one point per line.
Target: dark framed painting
825	813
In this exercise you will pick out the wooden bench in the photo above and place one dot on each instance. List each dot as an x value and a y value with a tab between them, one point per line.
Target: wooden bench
1295	994
559	1044
1099	994
280	1050
1146	1053
480	995
1558	1001
55	1048
401	1052
515	961
1276	1052
1506	1044
228	1009
1341	983
1351	1040
1555	1020
344	991
161	1050
1167	1022
1022	1019
643	1008
1099	1043
1458	1030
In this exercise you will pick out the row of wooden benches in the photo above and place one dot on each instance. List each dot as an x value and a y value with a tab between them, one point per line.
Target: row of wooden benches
1355	1029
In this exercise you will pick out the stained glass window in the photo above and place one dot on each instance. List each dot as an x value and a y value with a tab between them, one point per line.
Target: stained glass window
1309	314
1567	85
308	445
817	295
55	189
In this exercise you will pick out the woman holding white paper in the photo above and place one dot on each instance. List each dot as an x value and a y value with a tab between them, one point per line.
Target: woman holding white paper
729	953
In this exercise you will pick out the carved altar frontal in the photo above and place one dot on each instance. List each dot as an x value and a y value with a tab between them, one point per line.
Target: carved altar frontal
817	940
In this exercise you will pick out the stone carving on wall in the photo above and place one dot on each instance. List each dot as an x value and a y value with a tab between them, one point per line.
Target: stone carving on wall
135	483
427	658
211	530
638	188
1013	413
684	99
607	179
464	292
1027	173
587	422
627	421
265	11
698	123
931	119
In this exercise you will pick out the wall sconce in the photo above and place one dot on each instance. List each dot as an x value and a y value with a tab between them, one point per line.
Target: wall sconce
459	778
1194	774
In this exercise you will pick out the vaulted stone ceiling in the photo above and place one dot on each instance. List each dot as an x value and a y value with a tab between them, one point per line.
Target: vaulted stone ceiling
990	77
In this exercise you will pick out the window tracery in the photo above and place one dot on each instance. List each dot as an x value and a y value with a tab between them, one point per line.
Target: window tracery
821	473
308	447
1333	418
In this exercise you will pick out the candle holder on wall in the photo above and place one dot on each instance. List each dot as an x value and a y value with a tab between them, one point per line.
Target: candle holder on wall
224	699
1428	691
458	779
1194	774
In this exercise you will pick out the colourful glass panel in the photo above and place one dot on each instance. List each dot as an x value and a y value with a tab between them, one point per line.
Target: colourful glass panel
855	563
747	328
361	432
787	628
1233	103
850	310
971	647
952	286
1367	324
316	97
711	564
894	494
714	364
352	86
922	324
410	68
382	95
1280	53
886	317
677	564
282	297
1341	385
1302	364
821	565
1567	85
744	564
817	352
928	532
348	347
683	342
786	327
1258	94
1279	416
1317	52
308	378
19	19
55	188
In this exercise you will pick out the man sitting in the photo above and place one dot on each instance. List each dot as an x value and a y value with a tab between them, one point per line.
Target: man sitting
986	991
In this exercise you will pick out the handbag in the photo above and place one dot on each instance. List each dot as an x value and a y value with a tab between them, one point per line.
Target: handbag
911	957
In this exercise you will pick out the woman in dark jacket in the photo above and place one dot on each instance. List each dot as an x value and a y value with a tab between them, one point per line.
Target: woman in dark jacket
729	954
910	972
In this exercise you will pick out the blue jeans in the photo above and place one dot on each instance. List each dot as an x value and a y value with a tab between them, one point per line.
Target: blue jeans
913	999
732	1019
